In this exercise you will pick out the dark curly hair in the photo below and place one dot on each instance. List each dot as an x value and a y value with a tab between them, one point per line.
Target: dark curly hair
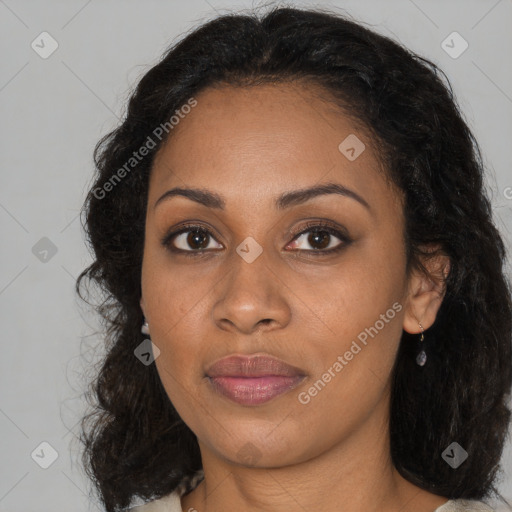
135	443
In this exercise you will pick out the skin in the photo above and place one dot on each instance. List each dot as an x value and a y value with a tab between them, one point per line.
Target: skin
250	145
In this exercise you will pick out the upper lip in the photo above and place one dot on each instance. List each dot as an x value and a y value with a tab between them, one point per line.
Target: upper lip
252	366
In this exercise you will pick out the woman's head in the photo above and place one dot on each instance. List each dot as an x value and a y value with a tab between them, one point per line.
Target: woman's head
251	110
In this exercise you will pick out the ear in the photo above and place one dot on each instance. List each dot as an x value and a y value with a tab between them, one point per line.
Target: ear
426	293
142	306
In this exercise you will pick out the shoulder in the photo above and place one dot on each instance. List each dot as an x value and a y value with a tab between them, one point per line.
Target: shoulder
464	506
168	503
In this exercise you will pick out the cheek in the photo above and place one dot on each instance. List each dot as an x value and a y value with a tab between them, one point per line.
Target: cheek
360	330
174	302
173	292
364	285
360	307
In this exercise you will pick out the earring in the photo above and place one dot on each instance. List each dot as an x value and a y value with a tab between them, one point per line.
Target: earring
145	327
421	358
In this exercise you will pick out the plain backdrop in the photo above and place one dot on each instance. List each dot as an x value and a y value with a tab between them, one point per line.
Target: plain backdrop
55	109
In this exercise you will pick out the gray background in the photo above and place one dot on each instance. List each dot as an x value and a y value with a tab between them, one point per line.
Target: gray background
54	110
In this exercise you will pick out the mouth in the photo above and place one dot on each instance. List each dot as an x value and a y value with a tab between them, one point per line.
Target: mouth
253	380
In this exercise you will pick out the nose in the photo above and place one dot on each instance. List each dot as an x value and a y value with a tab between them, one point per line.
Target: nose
252	297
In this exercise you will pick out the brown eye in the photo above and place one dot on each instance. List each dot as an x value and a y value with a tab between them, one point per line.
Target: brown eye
320	239
197	239
191	240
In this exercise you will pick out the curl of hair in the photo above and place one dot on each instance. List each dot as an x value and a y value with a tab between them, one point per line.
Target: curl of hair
135	443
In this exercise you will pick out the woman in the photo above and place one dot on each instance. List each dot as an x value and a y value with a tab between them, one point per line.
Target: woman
305	297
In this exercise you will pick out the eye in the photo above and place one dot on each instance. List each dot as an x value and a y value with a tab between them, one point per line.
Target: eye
319	235
195	240
190	238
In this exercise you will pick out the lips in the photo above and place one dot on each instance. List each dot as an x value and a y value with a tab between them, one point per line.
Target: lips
253	380
252	366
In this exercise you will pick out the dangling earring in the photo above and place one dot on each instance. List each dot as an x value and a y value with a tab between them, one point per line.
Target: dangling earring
145	327
421	358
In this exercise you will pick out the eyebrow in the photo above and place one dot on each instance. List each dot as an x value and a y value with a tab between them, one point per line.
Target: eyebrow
286	200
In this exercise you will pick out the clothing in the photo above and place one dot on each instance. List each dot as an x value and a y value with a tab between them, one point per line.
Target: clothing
172	502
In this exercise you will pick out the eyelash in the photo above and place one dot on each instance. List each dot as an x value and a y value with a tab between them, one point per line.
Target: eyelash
309	227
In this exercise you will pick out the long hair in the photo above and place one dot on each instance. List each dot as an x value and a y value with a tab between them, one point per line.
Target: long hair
135	443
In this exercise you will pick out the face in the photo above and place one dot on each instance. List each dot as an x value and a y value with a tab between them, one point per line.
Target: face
312	281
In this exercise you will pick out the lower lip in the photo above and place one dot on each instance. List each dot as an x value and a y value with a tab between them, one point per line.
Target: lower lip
253	390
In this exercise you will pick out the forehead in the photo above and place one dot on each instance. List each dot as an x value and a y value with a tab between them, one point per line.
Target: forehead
259	141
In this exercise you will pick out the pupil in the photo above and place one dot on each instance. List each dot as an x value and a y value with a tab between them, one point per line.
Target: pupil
193	238
314	237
